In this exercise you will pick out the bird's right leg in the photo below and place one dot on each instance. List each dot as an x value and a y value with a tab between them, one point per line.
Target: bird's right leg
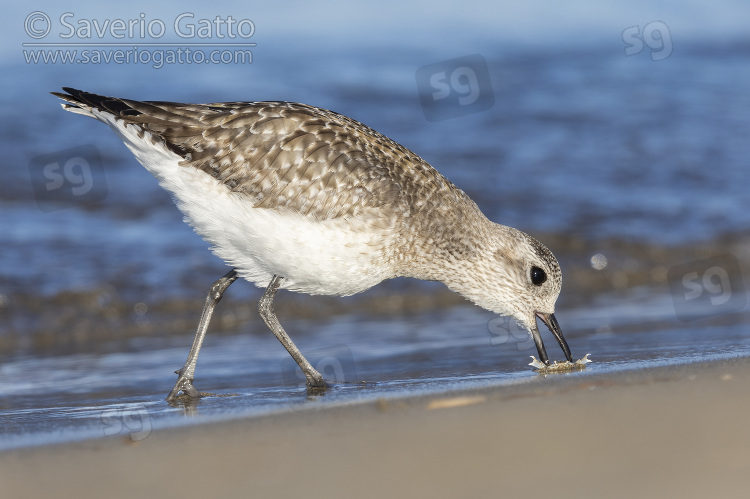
185	375
265	308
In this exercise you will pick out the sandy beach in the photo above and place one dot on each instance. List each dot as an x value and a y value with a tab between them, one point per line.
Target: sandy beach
678	431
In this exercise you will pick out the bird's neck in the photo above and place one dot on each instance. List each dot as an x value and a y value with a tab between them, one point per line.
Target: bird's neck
442	244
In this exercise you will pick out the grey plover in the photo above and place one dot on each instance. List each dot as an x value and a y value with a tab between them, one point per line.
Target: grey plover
296	197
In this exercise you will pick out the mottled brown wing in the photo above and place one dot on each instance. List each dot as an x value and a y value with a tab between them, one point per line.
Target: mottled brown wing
286	155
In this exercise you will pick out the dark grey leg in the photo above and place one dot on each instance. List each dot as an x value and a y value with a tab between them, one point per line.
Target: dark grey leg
185	375
265	307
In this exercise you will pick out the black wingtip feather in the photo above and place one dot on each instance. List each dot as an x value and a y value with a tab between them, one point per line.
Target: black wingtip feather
110	104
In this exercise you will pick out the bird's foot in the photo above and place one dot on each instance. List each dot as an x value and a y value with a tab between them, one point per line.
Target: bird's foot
185	385
316	384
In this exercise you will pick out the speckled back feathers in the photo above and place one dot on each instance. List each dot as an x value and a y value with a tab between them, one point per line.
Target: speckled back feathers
288	156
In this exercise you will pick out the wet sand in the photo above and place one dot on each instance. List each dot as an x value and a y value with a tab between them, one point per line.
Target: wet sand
679	431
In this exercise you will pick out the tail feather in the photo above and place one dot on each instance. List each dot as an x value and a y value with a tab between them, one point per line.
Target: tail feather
171	124
84	103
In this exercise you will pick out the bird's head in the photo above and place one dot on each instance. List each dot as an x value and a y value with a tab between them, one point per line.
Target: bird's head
514	274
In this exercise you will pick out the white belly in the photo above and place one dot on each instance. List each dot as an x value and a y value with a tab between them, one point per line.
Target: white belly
333	257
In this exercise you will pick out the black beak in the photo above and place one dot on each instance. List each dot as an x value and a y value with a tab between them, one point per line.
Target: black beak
550	321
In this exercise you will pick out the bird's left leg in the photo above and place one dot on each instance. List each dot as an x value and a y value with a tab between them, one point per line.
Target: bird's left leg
185	375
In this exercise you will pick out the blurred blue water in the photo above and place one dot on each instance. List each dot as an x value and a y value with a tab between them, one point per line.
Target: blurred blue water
585	141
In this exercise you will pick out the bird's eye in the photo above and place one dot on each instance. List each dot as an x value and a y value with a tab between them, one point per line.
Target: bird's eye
538	276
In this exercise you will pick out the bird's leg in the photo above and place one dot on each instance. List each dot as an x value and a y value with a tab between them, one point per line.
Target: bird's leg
185	375
265	308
